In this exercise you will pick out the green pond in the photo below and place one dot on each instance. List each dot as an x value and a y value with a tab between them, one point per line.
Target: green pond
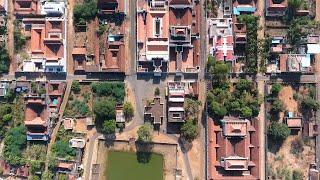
133	166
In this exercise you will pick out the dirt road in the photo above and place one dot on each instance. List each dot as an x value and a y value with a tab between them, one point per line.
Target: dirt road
10	42
70	36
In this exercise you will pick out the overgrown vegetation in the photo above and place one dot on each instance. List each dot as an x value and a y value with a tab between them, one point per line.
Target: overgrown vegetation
62	149
19	39
4	59
14	143
114	90
107	95
251	47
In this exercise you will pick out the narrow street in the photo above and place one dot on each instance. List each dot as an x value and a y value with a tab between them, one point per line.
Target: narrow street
261	84
317	59
70	36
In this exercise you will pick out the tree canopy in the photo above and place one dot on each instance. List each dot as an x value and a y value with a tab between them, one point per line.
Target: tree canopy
75	87
145	133
109	126
104	109
110	89
63	150
278	131
86	11
189	130
14	142
128	110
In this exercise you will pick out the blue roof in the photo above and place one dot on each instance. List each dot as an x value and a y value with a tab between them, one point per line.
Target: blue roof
275	41
32	137
238	10
290	114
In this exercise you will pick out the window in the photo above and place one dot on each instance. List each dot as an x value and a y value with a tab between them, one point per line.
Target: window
176	115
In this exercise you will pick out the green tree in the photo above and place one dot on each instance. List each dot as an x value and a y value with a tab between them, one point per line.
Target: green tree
276	88
217	110
4	60
47	175
278	131
145	133
128	110
63	150
310	103
189	130
104	109
109	126
7	118
211	63
14	142
277	106
297	174
192	108
246	112
75	87
295	4
19	39
220	71
110	89
84	12
157	92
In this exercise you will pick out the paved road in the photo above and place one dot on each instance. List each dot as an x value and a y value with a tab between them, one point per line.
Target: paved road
90	153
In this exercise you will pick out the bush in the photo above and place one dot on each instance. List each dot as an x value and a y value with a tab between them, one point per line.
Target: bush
189	130
145	133
109	126
75	87
278	132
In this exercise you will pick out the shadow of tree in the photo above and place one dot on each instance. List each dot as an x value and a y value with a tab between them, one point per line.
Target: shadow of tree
185	145
144	152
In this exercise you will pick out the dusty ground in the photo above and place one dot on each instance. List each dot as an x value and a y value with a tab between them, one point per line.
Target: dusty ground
284	160
195	158
284	157
286	96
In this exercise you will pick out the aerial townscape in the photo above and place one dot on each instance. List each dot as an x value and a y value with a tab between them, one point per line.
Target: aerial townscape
159	89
